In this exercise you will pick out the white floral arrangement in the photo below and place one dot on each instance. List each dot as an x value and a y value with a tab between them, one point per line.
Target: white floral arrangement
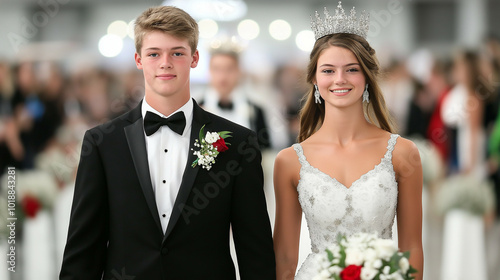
210	146
432	164
364	256
35	190
465	192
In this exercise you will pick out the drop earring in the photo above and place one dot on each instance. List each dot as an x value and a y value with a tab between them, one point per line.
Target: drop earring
317	95
366	95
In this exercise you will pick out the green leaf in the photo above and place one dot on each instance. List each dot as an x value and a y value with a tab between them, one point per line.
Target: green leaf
339	238
225	134
194	163
202	134
329	254
412	270
407	254
342	257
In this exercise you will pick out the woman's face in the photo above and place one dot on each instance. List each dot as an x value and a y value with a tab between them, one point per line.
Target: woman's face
460	73
339	77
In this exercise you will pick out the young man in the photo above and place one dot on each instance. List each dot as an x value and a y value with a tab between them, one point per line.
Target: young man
141	210
226	98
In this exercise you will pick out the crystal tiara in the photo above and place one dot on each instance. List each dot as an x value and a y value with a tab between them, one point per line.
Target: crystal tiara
340	23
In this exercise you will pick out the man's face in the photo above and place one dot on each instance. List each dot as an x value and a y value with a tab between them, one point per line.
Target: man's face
224	74
166	62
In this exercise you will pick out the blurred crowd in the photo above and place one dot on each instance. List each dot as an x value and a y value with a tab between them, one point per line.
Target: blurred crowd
449	103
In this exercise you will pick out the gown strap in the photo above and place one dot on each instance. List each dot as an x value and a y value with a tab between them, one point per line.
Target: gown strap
390	146
300	154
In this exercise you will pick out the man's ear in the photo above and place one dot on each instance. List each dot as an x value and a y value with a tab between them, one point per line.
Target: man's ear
138	61
196	58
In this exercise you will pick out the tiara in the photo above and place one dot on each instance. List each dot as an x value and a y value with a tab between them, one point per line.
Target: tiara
340	23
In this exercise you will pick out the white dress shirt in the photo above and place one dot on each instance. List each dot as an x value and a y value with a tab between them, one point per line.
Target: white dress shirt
167	158
241	111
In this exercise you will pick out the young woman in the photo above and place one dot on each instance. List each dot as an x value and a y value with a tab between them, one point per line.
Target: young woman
349	173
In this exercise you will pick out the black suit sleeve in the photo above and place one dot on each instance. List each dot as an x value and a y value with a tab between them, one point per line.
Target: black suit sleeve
85	252
249	218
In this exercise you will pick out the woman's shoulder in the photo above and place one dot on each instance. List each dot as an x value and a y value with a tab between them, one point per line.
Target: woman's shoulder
405	146
287	165
406	153
286	155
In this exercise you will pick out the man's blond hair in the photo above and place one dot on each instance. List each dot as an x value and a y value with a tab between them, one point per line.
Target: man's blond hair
168	19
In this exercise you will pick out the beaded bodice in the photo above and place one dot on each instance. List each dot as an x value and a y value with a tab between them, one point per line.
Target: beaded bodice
330	208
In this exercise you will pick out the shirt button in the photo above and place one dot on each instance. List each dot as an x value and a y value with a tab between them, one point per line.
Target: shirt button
164	181
165	150
163	215
164	251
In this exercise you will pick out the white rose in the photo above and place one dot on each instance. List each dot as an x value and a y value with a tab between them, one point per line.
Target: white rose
377	264
386	270
353	257
368	273
335	270
211	137
385	248
370	255
404	265
397	276
325	274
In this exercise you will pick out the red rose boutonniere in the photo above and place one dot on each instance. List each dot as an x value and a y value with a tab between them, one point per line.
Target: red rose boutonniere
210	144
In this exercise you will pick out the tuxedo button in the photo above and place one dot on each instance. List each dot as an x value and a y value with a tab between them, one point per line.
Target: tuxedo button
164	251
163	215
165	150
164	181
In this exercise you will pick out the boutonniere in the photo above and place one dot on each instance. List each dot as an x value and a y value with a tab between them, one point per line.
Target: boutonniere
210	144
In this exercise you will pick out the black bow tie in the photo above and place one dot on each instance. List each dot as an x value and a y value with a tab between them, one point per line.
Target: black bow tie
153	122
226	105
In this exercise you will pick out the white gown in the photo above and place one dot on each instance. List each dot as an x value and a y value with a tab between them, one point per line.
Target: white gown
330	208
464	252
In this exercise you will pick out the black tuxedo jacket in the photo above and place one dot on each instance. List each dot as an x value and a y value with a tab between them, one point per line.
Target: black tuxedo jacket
115	230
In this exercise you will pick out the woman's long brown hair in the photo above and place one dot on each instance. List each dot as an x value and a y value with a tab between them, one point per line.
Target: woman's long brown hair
313	114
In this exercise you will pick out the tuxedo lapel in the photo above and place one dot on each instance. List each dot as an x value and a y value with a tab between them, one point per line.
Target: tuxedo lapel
137	146
200	118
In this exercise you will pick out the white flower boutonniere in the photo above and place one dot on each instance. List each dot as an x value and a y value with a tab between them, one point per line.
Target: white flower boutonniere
210	146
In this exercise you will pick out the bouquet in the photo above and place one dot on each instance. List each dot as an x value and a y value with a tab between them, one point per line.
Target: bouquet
364	256
466	192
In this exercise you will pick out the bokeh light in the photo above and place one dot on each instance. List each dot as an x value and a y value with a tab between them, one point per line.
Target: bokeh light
208	28
118	28
110	45
280	29
305	40
130	29
248	29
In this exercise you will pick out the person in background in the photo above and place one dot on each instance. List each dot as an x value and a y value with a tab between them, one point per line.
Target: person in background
439	86
11	148
226	96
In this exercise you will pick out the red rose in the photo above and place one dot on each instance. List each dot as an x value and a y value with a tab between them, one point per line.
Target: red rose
31	205
220	145
351	272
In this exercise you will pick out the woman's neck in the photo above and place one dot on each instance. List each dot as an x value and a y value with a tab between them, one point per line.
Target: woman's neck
342	125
